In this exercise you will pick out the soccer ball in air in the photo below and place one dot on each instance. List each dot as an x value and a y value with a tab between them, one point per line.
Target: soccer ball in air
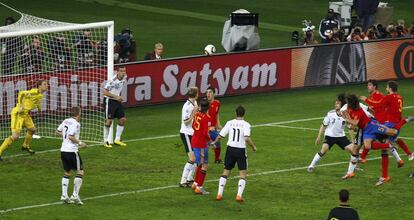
209	49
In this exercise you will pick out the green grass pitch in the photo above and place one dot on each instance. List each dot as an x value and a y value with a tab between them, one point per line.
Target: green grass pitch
140	181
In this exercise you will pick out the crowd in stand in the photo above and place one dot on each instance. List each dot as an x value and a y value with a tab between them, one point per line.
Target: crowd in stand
331	31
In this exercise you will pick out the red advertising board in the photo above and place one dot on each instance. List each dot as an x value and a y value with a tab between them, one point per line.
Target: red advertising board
234	74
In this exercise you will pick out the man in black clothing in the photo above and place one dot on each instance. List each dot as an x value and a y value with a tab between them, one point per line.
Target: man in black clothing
344	210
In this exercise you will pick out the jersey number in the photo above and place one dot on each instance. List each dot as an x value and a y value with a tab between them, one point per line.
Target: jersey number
197	123
236	130
66	131
401	105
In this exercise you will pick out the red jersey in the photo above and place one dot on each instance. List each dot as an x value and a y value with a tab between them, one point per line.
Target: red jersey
379	111
213	111
201	124
393	104
360	115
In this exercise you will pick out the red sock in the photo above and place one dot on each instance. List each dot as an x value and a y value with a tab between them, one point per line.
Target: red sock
385	161
403	146
400	124
377	145
202	176
217	152
197	174
364	153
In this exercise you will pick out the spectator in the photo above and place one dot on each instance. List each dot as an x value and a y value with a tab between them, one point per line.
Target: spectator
60	52
10	49
125	47
411	30
372	33
309	35
356	35
33	56
85	47
156	54
328	23
366	10
344	210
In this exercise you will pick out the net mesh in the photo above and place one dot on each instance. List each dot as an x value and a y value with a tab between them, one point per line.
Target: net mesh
73	62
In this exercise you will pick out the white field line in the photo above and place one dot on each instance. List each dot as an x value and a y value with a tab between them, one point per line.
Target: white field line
176	135
169	187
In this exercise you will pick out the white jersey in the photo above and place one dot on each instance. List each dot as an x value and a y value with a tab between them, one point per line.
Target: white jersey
334	124
237	130
364	107
188	108
115	86
69	127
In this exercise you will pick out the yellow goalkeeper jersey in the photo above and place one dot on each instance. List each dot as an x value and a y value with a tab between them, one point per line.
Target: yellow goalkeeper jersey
29	100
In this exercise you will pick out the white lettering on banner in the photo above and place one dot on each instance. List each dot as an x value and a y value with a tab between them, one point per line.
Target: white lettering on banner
222	80
89	94
266	74
143	89
170	87
240	78
189	79
262	75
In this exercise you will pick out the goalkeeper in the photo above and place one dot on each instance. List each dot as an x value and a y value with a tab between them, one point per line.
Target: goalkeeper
20	116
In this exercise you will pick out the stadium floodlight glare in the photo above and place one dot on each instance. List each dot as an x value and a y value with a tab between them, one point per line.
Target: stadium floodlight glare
75	59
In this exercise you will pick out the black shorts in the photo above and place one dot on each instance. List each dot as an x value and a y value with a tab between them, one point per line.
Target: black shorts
359	137
186	138
71	161
233	155
342	142
113	109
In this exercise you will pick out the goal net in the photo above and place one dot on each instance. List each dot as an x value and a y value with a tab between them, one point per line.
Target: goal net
75	59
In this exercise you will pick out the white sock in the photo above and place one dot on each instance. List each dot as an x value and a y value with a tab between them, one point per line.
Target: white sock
242	184
119	130
110	138
222	183
315	160
77	183
395	154
352	164
65	184
187	168
106	133
190	176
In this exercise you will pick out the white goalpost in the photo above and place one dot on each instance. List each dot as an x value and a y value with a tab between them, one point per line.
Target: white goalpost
75	59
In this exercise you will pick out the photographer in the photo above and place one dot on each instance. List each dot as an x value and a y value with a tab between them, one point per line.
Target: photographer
357	35
309	35
60	53
328	23
85	48
33	56
10	47
125	47
372	33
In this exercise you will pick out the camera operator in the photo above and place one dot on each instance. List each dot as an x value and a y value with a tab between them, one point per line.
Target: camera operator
60	52
33	56
328	23
372	33
357	35
382	32
125	47
86	48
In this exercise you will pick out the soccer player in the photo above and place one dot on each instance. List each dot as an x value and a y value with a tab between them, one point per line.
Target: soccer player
113	106
392	105
71	160
186	133
239	133
20	116
201	126
344	210
371	128
213	111
333	127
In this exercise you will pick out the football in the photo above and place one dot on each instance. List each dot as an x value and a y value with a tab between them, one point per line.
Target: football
209	49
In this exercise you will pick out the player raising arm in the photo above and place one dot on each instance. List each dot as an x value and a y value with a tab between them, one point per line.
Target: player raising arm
239	133
20	116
